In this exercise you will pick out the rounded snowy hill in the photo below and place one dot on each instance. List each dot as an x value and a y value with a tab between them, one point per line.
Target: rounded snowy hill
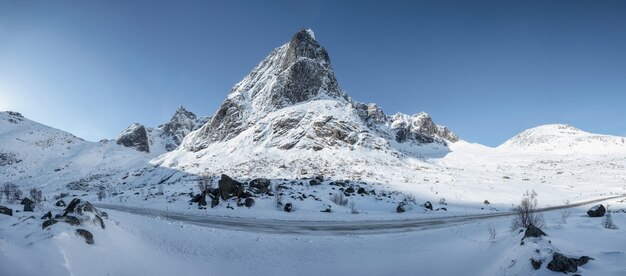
564	139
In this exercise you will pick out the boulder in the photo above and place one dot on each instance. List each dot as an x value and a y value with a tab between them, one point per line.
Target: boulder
486	202
26	201
6	210
260	185
533	231
48	223
596	211
249	202
362	191
229	187
350	190
561	263
288	208
428	205
71	220
314	182
86	235
29	207
202	202
400	208
48	215
536	263
215	201
80	207
196	198
60	203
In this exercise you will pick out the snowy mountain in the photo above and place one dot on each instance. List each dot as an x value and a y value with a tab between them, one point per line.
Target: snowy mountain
292	100
35	155
564	139
165	137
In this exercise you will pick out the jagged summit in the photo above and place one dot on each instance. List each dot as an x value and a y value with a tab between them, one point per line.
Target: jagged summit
292	99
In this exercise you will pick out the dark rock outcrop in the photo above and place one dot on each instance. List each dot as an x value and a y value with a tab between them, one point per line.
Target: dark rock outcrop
6	210
229	187
86	235
135	136
561	263
534	232
596	211
400	208
249	202
26	201
29	206
260	185
48	215
48	223
288	208
536	263
428	205
60	203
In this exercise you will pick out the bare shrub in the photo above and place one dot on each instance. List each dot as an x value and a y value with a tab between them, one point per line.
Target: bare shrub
17	195
526	212
353	209
565	212
608	221
36	195
205	184
339	199
10	192
278	197
492	232
102	193
410	198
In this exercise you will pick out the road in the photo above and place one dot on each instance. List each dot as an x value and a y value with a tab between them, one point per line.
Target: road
330	227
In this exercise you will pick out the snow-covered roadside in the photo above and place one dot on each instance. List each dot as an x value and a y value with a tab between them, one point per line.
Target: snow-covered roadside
132	245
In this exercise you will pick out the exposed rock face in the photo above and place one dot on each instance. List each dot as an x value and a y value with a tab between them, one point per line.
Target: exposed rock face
288	208
182	123
135	136
561	263
229	187
6	210
596	211
293	100
533	231
86	235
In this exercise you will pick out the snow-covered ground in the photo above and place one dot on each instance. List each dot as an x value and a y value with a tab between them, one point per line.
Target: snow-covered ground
133	244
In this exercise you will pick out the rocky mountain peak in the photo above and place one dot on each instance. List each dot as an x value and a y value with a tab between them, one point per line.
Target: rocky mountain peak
135	136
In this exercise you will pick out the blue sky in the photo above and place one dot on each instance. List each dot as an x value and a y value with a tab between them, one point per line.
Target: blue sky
486	69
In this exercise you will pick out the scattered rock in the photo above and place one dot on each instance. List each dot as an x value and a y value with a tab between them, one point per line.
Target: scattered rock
29	207
428	205
533	231
288	208
48	215
48	223
71	220
86	235
229	187
315	182
328	210
362	191
536	263
400	208
26	201
486	202
560	263
249	202
215	201
6	210
260	185
60	203
202	202
196	198
350	190
596	211
104	215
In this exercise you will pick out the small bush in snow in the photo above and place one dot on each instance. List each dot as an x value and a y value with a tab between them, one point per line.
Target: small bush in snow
36	195
339	199
492	232
565	212
17	195
353	209
102	193
527	212
11	192
410	198
608	221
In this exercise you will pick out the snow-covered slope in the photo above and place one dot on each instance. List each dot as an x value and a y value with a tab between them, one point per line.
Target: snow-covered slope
35	155
564	139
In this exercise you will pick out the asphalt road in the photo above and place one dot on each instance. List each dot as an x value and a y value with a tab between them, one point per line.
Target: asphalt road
327	227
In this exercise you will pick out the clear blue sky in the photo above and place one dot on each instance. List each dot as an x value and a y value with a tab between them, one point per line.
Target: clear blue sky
486	69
